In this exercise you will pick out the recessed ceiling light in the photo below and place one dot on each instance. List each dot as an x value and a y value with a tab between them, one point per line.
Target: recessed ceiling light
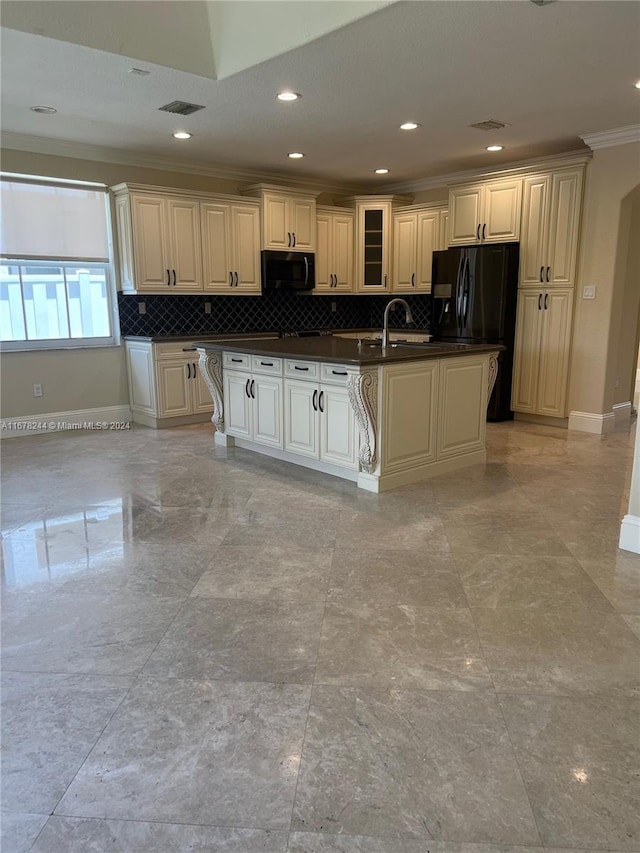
637	85
495	147
382	171
410	125
296	155
44	110
288	96
139	71
182	134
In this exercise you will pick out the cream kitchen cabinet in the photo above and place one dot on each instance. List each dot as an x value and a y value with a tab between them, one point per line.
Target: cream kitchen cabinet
334	250
231	247
487	212
417	234
288	217
253	398
542	348
550	228
165	385
319	421
159	242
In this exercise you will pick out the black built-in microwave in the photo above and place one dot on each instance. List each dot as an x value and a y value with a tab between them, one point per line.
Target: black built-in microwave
287	270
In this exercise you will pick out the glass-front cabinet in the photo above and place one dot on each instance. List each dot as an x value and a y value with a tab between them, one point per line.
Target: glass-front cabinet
374	238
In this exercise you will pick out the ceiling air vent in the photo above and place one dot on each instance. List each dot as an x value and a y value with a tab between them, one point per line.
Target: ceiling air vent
490	124
181	108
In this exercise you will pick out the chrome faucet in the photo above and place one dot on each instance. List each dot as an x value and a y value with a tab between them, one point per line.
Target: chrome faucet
385	326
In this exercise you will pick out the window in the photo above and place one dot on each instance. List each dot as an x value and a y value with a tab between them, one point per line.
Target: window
56	282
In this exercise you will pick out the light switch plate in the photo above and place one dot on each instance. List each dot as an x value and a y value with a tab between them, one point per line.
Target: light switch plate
142	308
589	291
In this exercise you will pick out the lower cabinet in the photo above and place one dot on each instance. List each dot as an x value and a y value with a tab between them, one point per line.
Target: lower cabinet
253	407
541	363
165	385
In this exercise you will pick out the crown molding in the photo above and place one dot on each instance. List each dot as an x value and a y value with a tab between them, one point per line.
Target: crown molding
549	161
120	156
609	138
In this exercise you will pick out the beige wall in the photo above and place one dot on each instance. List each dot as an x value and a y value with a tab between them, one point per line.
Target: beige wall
426	196
627	306
598	334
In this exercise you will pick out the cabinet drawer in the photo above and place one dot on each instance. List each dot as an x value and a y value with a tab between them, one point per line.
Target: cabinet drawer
336	374
301	369
236	360
176	349
266	364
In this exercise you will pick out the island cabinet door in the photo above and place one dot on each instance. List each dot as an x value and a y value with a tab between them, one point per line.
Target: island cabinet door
462	405
338	441
301	417
266	394
408	422
237	403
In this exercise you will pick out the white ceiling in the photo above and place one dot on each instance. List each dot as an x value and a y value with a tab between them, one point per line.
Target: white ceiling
553	73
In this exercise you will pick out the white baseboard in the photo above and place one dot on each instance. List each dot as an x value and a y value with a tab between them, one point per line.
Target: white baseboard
622	412
592	422
630	534
104	418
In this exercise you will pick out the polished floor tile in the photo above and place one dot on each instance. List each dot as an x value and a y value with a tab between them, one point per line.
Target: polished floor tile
374	531
478	530
579	760
618	576
49	724
19	831
411	763
241	640
196	752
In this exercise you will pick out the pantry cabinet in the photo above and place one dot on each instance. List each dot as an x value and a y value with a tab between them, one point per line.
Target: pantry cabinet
334	250
231	247
542	348
486	212
417	234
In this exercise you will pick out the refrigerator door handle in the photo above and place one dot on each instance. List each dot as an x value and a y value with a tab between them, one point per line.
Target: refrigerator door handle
465	292
459	293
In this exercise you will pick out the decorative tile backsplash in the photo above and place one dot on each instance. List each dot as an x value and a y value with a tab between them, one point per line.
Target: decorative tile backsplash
185	315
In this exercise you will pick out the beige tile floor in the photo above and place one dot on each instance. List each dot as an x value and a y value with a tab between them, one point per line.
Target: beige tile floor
208	650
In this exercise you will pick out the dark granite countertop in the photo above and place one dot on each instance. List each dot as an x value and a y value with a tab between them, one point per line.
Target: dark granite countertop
204	336
346	350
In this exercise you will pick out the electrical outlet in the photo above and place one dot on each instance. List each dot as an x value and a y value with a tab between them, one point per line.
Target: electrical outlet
142	308
37	390
207	308
334	307
589	292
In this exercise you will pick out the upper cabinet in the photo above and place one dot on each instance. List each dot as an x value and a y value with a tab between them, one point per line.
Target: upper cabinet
417	233
550	228
487	212
231	247
288	217
334	250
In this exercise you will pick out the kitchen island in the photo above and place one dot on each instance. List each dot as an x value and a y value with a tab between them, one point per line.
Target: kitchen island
383	417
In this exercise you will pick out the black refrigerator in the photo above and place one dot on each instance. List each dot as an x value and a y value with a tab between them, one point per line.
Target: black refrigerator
474	291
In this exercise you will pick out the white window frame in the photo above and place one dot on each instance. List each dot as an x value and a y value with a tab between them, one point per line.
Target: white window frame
110	280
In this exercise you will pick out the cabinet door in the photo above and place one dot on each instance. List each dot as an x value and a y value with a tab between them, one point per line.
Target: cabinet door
245	231
237	404
125	244
141	375
276	231
443	242
462	405
337	428
300	418
527	351
373	243
405	226
428	243
324	266
216	230
342	239
267	410
407	425
564	220
555	340
200	395
302	223
465	211
151	261
173	388
533	243
502	211
185	251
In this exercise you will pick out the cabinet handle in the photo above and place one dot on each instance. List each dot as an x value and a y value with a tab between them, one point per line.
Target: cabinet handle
237	360
484	230
546	301
188	349
320	401
194	371
339	372
539	301
231	279
288	239
548	271
251	387
266	363
478	233
385	281
295	367
168	279
313	401
188	366
246	388
413	279
294	238
174	278
236	279
541	273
